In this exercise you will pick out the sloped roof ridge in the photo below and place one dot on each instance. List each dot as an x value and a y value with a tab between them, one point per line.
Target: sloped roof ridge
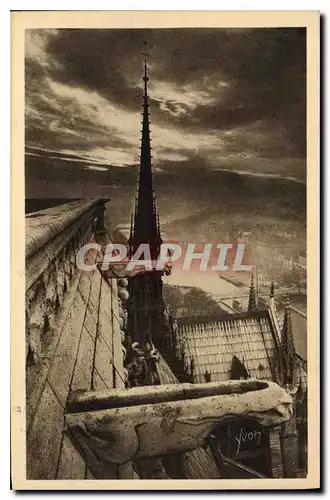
223	318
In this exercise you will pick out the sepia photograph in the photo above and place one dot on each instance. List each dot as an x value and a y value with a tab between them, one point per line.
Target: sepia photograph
166	323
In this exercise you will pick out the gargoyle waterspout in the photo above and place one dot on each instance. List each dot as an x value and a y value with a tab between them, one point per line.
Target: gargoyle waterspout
120	426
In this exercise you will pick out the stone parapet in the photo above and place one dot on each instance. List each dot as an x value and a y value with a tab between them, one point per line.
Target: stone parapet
73	334
53	238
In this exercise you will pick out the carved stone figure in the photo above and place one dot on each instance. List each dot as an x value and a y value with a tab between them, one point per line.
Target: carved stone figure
146	422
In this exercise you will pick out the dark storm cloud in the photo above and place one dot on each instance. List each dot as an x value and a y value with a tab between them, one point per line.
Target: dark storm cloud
52	121
96	59
264	70
266	74
213	92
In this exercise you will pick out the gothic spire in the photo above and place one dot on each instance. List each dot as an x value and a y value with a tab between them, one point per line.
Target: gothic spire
145	319
252	296
272	310
145	221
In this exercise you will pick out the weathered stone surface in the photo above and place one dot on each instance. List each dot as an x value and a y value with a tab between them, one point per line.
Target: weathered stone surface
118	361
89	474
42	226
71	464
289	442
36	374
151	468
104	329
35	382
122	434
98	382
105	325
276	452
82	377
60	338
65	356
117	398
91	319
106	295
103	361
199	464
53	239
44	437
94	297
114	298
85	284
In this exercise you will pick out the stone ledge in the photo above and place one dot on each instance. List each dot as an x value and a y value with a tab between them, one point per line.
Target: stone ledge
42	226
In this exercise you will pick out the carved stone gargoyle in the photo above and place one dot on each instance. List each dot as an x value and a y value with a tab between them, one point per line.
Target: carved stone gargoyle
115	427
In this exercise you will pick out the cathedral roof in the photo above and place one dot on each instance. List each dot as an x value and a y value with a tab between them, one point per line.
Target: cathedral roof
234	346
247	338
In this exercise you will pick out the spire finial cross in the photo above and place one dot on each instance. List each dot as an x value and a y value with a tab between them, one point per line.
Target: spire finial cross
145	54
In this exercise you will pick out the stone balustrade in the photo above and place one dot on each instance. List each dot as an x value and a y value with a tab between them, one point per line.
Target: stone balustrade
53	238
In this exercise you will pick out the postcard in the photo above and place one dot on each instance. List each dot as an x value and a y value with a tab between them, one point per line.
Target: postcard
165	204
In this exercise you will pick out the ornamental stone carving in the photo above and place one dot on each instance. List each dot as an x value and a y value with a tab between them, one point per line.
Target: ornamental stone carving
145	422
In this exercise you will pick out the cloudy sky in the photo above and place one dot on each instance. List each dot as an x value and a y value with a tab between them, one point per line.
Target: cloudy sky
220	98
